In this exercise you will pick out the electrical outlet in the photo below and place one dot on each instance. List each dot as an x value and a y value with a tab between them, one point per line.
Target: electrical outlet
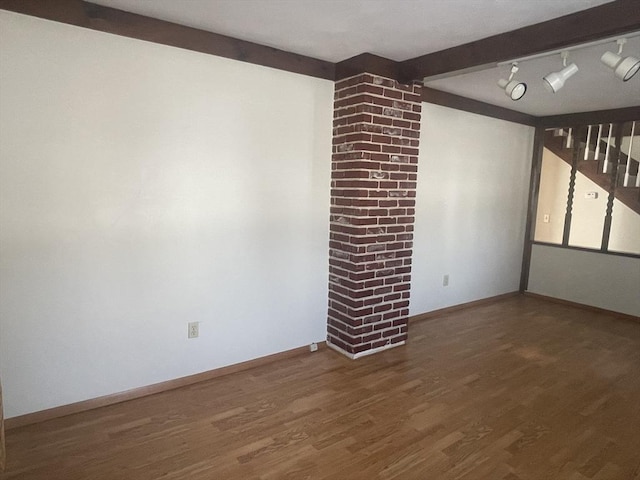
445	280
546	218
313	347
194	329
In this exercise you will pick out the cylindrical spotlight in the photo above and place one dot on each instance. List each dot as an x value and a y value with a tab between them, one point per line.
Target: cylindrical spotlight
624	68
555	80
513	89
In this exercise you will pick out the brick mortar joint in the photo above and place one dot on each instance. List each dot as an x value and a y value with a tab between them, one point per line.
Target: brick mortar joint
372	115
377	322
376	297
376	105
382	97
344	136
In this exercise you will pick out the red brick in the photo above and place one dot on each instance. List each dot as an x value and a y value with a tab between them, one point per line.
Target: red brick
390	315
372	318
352	137
373	283
371	337
389	333
393	263
388	92
392	297
384	139
392	280
412	97
379	157
363	202
395	212
382	325
382	120
391	149
373	89
407	151
382	290
378	194
355	184
401	322
371	239
361	348
372	300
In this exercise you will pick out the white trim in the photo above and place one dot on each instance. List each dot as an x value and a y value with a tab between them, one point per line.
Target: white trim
354	356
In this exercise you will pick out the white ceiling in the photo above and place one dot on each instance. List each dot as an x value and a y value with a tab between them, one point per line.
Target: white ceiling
335	30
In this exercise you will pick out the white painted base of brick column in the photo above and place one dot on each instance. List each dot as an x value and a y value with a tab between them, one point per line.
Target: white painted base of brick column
354	356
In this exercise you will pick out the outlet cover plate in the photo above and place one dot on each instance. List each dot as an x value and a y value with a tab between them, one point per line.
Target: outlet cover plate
194	329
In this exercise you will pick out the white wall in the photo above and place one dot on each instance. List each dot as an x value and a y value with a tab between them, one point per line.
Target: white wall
600	280
144	187
473	184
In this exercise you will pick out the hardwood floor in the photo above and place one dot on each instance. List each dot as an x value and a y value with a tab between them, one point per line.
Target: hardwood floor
522	389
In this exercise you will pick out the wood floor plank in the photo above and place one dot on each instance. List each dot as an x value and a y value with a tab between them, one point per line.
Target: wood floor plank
518	389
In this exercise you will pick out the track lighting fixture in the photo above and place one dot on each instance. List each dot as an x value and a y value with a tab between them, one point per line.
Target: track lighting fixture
555	80
623	67
513	89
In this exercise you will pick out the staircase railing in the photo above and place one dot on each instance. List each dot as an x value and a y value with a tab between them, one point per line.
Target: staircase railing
599	145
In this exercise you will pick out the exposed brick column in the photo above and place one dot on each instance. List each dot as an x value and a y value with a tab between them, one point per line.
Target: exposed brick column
376	132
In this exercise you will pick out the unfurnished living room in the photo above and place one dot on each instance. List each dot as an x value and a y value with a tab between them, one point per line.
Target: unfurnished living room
319	239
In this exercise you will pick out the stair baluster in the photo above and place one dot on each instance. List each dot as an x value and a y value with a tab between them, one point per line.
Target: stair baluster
605	164
597	153
628	168
586	148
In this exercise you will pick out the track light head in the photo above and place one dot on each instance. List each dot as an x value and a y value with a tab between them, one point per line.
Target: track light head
623	67
513	89
555	80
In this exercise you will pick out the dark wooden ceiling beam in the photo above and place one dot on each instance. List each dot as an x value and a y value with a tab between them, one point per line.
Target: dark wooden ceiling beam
446	99
590	118
369	63
608	20
110	20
